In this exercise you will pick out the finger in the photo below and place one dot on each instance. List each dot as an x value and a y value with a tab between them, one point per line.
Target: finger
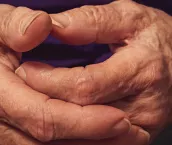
111	23
47	119
12	136
140	112
22	28
136	136
107	81
124	74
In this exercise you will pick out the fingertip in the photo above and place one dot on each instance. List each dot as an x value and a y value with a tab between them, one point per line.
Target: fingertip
144	137
141	136
32	32
73	27
110	122
31	72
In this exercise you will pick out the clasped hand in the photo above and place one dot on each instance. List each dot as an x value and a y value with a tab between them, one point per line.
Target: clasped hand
124	100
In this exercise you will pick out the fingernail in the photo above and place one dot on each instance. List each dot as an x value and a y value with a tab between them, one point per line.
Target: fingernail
145	135
21	73
57	24
60	20
122	127
26	21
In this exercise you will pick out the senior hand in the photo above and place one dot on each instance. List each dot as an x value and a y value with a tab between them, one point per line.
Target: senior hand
12	136
139	74
35	113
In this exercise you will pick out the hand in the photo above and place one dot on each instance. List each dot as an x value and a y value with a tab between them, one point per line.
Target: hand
138	74
34	113
12	136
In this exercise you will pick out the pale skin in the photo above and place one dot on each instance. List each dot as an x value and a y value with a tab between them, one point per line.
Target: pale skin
132	79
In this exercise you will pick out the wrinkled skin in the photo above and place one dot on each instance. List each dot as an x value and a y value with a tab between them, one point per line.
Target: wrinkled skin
132	79
11	136
36	114
136	79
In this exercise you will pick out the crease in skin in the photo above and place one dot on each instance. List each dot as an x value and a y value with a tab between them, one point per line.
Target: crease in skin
25	23
151	75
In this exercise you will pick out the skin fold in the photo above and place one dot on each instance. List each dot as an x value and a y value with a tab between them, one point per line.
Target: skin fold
30	117
136	79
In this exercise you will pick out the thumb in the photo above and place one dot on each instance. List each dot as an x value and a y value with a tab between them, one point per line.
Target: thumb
22	28
111	23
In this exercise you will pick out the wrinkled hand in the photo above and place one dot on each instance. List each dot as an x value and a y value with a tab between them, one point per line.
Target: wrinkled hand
11	136
34	113
139	74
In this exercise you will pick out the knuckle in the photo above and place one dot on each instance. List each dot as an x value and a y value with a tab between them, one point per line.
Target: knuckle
130	12
157	73
150	116
128	8
5	60
98	16
43	129
152	73
154	121
92	12
85	89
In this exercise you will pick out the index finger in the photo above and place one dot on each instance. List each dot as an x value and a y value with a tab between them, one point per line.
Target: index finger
124	74
50	119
